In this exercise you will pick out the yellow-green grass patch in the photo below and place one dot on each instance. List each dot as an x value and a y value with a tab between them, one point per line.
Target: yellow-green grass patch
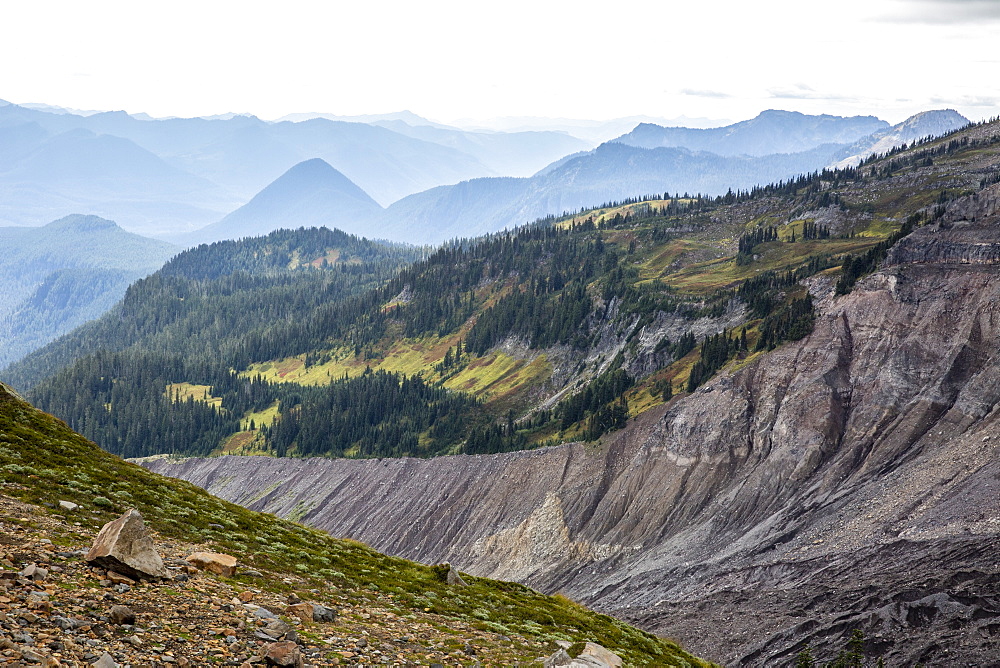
497	375
179	392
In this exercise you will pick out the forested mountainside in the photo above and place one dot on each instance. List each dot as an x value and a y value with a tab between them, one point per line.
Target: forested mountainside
844	485
556	332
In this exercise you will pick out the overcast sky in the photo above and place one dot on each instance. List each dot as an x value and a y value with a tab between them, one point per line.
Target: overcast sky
449	59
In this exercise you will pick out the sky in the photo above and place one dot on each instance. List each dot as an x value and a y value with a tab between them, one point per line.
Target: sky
450	59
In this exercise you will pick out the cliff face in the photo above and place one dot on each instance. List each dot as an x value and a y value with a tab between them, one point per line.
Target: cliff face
848	480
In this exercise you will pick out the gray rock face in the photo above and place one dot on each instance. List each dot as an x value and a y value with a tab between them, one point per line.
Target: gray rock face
124	546
848	480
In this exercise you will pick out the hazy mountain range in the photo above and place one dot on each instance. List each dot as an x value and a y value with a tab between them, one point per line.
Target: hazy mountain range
393	176
175	175
63	274
310	194
649	160
769	133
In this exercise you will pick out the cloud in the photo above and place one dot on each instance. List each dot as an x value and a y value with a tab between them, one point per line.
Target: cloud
704	93
942	11
802	91
968	101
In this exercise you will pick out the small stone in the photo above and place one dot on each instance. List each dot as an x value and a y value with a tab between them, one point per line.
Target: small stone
322	613
214	562
118	578
31	656
105	662
34	572
262	613
304	611
121	615
68	506
276	628
283	653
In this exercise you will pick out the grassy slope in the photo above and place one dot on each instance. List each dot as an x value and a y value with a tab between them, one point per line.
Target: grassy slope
42	461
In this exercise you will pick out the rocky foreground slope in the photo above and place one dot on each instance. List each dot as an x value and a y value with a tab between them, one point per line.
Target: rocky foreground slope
850	480
295	592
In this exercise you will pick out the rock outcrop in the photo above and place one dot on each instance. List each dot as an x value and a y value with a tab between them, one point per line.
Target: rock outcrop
124	546
848	480
214	562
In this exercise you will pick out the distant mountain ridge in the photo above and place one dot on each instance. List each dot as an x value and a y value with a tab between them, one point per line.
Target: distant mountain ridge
625	168
174	175
612	171
310	194
925	124
772	131
63	274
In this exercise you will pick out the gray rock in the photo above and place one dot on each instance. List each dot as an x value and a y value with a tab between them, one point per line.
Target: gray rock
105	662
69	623
124	546
68	506
31	656
563	660
276	628
602	654
262	613
121	615
284	653
321	613
34	572
454	579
